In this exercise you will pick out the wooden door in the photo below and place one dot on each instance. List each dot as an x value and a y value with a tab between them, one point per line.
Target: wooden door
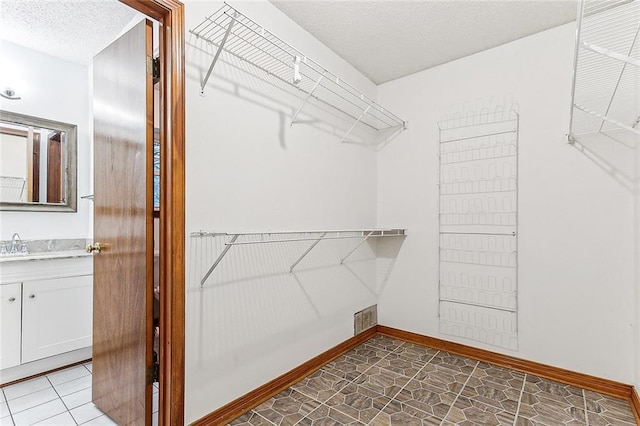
123	224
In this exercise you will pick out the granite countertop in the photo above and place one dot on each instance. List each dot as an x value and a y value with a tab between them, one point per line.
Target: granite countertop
48	249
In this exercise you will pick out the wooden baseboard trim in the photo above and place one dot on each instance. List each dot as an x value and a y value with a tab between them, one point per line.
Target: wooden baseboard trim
585	381
44	373
238	407
635	404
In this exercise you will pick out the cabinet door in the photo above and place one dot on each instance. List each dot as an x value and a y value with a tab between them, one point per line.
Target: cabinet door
10	325
56	316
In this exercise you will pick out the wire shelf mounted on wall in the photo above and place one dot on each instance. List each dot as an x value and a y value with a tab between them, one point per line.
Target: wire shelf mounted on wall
606	71
233	32
478	221
274	237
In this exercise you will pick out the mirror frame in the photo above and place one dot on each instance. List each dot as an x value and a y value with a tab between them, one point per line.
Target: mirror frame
70	190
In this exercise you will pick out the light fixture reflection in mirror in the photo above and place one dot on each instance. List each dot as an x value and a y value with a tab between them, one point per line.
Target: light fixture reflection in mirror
37	164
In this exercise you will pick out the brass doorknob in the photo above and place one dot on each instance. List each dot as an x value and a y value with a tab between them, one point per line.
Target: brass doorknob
94	248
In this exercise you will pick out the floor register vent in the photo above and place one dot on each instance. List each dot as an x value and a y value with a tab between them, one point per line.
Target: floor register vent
365	319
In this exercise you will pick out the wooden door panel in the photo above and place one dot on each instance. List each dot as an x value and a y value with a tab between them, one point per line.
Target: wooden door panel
123	197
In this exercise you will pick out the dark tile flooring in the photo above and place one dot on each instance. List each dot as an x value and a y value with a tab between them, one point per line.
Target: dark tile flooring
391	382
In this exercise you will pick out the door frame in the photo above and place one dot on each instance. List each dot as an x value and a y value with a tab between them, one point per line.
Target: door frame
170	13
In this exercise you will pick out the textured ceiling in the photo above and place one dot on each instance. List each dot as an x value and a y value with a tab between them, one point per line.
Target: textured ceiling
74	30
386	40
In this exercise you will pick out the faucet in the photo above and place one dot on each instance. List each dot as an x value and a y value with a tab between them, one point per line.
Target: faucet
17	245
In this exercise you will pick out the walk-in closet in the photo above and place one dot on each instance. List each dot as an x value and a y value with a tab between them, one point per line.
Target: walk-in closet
375	213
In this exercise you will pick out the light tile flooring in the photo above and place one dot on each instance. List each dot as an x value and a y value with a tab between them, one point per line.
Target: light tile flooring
57	399
390	382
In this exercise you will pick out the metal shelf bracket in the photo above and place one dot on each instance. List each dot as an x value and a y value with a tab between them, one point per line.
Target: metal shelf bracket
217	55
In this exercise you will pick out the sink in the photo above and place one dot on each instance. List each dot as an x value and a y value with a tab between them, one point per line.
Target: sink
43	255
49	249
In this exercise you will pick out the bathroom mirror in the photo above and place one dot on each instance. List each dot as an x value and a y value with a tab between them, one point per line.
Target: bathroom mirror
37	164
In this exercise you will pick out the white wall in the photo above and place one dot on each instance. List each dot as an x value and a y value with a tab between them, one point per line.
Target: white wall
575	220
636	294
54	89
247	169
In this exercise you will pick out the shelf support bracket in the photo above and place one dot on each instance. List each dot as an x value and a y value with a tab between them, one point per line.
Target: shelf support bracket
611	54
624	67
607	119
311	247
356	247
217	55
354	124
304	103
218	260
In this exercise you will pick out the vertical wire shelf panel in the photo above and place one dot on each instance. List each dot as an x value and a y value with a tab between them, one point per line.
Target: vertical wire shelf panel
478	221
251	42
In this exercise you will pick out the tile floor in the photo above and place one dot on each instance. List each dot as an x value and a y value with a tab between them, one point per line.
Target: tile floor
390	382
57	399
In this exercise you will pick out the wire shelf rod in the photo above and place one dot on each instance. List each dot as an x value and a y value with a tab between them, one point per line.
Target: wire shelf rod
479	305
477	137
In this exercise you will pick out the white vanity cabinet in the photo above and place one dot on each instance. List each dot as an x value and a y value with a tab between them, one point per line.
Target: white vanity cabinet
56	316
10	314
46	315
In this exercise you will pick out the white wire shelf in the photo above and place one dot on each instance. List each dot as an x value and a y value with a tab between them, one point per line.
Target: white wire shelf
233	32
606	70
274	237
